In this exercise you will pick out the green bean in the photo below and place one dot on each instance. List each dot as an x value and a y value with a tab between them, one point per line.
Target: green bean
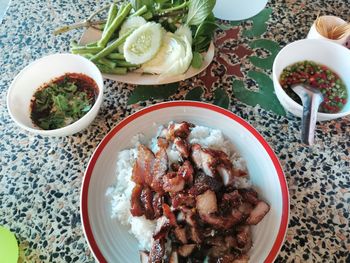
118	20
122	6
87	55
110	48
123	63
107	70
148	15
92	44
116	56
106	62
103	61
140	12
112	13
85	50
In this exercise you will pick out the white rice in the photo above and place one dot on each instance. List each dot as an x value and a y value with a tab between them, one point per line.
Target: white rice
120	193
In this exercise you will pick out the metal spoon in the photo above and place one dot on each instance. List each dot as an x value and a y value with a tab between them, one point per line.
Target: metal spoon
311	99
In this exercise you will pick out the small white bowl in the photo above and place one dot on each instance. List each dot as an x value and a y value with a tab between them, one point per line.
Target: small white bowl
330	54
331	21
42	71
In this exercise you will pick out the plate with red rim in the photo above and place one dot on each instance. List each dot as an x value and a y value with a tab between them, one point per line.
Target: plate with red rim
111	242
138	78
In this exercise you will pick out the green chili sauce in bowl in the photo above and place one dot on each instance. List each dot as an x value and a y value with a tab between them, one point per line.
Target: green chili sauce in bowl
63	101
317	76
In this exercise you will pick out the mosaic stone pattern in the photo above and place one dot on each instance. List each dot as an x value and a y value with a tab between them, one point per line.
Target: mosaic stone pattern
40	177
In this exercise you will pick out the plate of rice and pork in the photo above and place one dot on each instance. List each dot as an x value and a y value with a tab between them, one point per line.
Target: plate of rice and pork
184	182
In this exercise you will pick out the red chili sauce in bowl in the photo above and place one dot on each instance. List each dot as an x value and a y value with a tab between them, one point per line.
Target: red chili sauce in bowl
317	76
63	101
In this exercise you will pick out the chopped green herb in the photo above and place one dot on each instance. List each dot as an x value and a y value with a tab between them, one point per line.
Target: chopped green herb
63	101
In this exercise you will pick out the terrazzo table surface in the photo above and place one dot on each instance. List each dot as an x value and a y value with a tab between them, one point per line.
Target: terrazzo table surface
40	178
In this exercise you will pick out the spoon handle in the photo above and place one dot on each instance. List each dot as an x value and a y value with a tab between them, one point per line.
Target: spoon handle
310	108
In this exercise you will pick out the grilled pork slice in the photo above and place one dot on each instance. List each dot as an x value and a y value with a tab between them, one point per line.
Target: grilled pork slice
147	202
159	169
213	163
182	199
172	182
157	203
186	250
186	171
258	213
157	251
226	174
223	222
230	200
169	214
136	205
242	259
142	169
162	228
249	195
180	234
206	203
244	238
202	183
181	130
162	142
183	147
204	160
173	257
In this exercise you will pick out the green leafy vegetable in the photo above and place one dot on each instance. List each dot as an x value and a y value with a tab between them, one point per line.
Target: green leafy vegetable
204	34
197	60
199	10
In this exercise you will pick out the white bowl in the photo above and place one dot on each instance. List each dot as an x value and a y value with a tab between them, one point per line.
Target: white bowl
331	21
111	242
42	71
237	9
330	54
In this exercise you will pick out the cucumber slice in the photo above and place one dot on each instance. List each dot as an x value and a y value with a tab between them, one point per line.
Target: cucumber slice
143	44
170	51
133	22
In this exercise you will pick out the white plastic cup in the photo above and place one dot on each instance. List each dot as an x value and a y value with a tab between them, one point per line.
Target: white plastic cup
238	9
331	21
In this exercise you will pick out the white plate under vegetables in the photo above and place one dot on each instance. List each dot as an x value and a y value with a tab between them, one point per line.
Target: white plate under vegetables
137	77
160	41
